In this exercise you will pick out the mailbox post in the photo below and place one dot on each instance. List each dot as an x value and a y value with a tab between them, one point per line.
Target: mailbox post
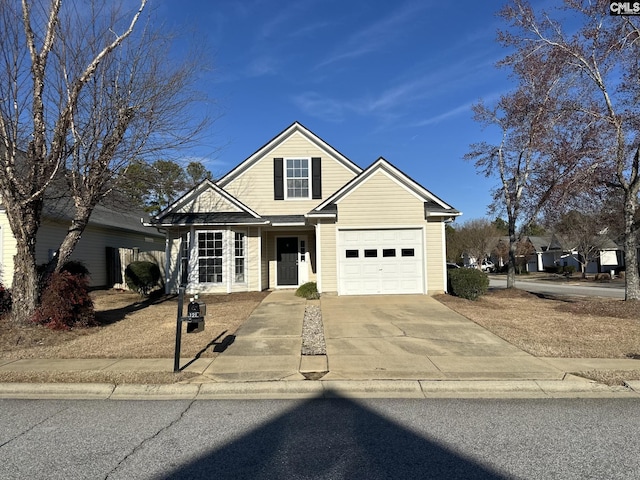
196	310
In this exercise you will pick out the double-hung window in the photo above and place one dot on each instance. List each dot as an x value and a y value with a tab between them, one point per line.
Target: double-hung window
184	259
297	178
210	257
238	255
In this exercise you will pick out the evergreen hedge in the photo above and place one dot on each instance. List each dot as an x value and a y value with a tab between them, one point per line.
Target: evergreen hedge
468	283
142	276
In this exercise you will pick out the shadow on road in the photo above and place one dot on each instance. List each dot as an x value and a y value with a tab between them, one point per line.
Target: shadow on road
330	438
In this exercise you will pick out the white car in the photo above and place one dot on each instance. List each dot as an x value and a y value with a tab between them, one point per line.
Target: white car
488	266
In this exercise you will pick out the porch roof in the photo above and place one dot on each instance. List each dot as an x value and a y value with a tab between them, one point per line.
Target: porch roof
227	219
210	218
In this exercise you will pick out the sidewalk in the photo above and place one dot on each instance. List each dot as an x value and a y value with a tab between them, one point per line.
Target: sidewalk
388	346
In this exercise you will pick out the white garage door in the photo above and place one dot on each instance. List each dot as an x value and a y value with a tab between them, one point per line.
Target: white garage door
380	261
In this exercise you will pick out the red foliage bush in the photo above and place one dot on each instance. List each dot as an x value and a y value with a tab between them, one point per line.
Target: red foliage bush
65	302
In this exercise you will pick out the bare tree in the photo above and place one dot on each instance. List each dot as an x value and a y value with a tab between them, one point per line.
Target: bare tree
522	121
84	94
478	238
598	67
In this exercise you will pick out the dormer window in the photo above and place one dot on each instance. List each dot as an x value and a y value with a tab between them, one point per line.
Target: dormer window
297	177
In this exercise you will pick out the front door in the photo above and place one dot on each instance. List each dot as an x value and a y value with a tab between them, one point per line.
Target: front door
287	260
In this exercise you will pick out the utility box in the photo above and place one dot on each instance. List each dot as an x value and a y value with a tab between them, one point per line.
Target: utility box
196	311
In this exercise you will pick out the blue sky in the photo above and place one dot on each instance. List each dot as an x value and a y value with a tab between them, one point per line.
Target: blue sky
372	78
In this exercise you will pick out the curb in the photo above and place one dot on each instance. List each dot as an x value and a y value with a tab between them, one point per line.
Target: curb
306	389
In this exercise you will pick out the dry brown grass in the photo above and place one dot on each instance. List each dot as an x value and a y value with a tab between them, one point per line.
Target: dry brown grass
556	326
132	328
560	326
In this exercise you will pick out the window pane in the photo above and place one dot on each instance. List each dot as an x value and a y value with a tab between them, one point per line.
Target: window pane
239	270
408	252
297	178
239	262
370	253
389	252
351	253
210	257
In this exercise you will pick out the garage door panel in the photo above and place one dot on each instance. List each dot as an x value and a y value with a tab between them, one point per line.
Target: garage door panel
387	261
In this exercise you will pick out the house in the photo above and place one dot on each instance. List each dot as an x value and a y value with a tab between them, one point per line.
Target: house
296	211
113	238
541	252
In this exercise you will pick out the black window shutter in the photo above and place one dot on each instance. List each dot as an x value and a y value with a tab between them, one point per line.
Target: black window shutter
278	180
316	178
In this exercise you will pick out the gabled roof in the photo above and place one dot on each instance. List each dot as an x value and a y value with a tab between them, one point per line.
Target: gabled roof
295	127
195	192
542	244
434	206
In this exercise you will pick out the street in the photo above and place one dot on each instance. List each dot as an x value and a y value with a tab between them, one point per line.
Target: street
560	288
323	438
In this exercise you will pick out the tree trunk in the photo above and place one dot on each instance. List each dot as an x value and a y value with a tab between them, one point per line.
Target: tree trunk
74	233
25	286
632	282
513	248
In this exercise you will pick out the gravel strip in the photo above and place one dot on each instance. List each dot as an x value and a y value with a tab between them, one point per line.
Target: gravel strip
313	332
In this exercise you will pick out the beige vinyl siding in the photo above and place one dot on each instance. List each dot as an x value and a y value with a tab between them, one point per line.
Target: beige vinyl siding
380	200
327	233
254	187
209	201
91	249
435	257
251	257
270	255
172	277
265	260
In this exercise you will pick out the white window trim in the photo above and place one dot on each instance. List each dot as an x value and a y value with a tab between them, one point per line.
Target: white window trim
244	256
286	179
197	260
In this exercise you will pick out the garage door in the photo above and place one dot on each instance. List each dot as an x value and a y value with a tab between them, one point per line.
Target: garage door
380	261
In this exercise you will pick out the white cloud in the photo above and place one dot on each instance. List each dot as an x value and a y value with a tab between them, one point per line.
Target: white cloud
376	35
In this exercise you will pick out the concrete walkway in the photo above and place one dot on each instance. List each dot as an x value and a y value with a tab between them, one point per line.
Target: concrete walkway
407	345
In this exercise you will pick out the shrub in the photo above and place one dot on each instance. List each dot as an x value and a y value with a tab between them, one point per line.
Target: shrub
65	302
309	291
75	267
142	276
569	270
5	300
468	283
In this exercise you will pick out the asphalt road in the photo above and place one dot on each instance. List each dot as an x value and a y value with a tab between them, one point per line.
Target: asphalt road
561	288
320	439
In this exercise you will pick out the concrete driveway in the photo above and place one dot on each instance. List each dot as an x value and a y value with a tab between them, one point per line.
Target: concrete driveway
416	337
386	337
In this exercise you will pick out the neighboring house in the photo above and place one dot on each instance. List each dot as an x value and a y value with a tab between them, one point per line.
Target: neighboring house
111	237
540	252
297	210
543	251
608	257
